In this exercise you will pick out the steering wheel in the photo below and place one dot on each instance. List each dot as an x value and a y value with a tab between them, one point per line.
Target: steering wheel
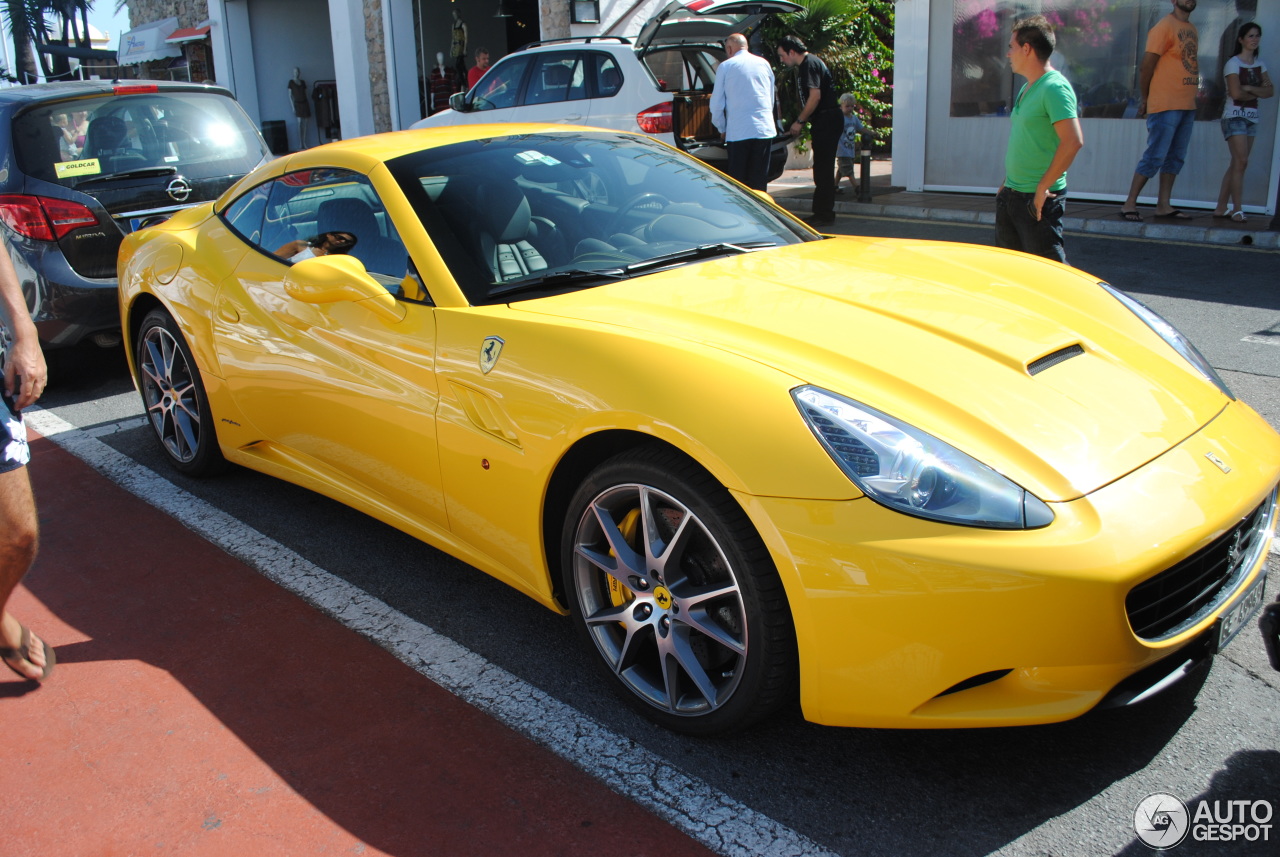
647	198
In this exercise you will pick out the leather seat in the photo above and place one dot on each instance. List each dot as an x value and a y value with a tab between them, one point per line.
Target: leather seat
514	243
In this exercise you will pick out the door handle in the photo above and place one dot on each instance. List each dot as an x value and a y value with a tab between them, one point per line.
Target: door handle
227	312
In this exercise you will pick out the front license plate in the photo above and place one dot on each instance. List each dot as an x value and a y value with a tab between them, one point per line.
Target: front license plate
1239	614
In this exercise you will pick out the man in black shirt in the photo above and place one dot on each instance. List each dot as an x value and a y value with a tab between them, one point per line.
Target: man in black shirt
820	109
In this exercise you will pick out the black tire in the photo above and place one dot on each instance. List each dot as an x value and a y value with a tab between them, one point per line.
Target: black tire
174	397
695	631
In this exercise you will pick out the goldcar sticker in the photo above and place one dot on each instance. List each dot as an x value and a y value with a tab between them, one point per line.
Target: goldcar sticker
87	167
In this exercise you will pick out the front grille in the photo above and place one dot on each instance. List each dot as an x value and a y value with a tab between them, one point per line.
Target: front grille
1180	596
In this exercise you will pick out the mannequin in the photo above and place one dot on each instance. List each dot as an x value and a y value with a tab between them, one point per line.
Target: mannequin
458	46
301	106
441	83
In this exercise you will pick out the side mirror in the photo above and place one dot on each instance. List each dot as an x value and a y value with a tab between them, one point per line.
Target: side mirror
458	102
333	278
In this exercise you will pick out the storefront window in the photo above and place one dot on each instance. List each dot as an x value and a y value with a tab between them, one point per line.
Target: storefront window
1100	45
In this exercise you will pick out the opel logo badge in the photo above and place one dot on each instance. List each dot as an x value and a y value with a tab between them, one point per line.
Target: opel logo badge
179	189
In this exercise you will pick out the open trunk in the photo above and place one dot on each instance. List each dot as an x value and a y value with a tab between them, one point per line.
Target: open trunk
694	133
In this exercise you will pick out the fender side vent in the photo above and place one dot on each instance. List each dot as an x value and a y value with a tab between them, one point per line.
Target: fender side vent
975	681
1038	366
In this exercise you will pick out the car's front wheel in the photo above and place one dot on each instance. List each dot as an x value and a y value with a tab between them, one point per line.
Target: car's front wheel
174	397
677	594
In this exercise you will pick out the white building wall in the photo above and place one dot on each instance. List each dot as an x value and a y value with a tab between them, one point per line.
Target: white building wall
935	151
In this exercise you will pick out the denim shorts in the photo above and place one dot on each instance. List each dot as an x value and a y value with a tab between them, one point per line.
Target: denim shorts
1168	135
1238	126
14	452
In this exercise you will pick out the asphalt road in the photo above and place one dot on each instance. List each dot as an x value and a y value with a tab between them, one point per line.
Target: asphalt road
1067	789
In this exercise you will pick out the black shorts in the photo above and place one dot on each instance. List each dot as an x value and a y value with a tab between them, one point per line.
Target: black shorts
14	452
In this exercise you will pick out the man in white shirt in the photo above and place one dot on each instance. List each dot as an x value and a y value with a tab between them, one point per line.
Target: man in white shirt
742	110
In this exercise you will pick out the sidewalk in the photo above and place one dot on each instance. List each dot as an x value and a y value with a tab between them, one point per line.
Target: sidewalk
199	709
794	191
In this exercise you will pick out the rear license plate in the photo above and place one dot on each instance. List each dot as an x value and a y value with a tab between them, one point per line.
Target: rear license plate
1239	614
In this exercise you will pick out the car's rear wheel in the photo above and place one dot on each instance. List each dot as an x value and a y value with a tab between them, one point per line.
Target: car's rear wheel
677	594
174	397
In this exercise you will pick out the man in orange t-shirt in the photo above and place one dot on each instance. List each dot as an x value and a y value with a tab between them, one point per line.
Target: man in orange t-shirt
1169	79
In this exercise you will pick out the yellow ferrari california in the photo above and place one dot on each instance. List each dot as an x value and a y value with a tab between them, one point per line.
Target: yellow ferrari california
904	483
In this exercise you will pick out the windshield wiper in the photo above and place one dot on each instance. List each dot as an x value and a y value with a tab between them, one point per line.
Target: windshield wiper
130	174
530	284
704	251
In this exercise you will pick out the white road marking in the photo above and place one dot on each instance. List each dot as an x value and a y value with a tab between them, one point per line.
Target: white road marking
1262	340
709	816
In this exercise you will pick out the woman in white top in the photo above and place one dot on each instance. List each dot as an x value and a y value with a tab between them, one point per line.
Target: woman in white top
1247	81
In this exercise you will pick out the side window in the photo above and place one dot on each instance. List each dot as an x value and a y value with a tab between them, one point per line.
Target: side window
501	86
245	215
555	77
607	74
323	211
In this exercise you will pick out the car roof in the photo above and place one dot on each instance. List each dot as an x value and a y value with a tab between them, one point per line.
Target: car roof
69	89
364	154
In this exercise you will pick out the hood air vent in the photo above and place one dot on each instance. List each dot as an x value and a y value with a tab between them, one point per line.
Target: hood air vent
1054	359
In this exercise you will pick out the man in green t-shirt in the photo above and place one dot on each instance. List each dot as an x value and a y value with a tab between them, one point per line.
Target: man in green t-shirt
1043	140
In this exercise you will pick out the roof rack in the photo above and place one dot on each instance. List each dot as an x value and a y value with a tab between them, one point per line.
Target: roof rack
577	40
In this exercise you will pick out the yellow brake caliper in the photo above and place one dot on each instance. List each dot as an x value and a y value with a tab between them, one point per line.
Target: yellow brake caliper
619	594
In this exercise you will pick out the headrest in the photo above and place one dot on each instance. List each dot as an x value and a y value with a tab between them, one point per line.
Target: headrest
506	212
347	215
557	76
106	132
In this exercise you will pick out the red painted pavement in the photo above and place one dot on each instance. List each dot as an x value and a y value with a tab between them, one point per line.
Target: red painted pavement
199	709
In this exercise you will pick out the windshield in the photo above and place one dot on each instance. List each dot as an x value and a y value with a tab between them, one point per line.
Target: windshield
566	211
201	135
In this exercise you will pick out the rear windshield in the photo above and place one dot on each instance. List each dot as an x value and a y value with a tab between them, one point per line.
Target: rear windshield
201	135
682	68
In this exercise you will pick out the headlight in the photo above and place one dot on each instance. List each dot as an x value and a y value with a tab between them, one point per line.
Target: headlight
1170	334
910	471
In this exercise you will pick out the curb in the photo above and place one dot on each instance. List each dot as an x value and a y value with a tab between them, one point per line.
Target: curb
1261	239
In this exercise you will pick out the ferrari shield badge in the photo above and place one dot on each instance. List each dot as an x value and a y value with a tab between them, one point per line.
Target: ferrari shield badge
489	352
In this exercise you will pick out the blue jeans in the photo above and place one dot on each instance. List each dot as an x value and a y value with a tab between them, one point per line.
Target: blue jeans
1168	134
1018	229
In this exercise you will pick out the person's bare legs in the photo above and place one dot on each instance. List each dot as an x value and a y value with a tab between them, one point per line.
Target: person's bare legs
19	536
1163	206
1240	146
1135	188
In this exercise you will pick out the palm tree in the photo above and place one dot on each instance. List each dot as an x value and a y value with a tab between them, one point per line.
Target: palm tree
25	19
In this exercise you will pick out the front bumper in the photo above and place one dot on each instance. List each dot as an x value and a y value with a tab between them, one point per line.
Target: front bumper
893	613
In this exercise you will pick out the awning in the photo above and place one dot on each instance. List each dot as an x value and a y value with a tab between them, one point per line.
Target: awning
147	43
187	34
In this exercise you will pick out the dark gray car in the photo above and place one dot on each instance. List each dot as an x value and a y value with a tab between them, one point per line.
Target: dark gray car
82	163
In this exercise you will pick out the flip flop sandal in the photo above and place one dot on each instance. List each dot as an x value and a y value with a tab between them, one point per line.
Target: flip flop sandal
1131	216
1176	214
50	660
1238	217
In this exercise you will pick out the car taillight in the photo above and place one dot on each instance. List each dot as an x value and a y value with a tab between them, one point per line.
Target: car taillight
134	88
655	120
42	218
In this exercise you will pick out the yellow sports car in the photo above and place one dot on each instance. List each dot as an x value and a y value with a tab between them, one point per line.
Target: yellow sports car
908	483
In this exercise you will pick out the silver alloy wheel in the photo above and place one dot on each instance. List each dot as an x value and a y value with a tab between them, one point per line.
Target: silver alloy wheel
660	600
169	392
